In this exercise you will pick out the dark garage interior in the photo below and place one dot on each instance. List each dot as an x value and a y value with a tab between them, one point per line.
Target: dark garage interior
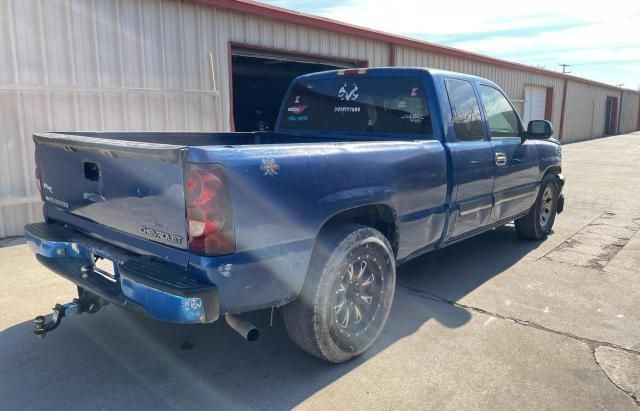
259	84
611	116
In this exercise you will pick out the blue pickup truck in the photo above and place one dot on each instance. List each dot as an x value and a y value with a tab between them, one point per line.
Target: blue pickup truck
366	169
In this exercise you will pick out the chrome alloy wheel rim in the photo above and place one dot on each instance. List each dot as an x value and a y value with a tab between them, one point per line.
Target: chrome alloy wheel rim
358	295
546	206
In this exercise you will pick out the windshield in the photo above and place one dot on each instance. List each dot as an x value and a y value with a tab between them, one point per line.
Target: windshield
358	104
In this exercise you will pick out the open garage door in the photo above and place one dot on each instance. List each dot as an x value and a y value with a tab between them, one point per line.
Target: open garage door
611	116
260	80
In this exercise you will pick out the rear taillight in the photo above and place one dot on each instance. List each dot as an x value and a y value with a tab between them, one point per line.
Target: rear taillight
209	214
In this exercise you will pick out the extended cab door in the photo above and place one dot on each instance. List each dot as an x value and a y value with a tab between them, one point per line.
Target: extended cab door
473	162
517	170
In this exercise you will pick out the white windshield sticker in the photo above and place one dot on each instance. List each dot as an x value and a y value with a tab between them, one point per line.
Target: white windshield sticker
346	109
351	95
414	118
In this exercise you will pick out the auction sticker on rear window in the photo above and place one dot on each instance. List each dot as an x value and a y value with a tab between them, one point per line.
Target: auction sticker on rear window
297	109
298	118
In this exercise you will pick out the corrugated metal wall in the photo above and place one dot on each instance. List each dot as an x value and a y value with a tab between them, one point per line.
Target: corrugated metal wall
145	65
96	65
585	111
630	104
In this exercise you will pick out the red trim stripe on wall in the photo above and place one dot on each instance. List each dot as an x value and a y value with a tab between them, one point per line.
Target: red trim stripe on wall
638	125
619	125
393	60
563	109
548	104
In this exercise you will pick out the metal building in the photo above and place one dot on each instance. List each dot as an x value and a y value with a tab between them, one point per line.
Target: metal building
219	65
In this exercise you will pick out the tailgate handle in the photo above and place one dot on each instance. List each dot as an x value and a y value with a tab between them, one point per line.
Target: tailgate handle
91	171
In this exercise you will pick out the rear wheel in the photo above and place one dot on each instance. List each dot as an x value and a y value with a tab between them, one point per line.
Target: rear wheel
538	223
347	295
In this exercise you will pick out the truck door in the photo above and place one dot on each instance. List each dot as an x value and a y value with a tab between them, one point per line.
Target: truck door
517	172
473	163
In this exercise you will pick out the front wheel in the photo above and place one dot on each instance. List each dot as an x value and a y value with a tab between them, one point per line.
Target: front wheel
347	295
538	223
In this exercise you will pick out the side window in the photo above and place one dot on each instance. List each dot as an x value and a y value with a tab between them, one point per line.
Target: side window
503	120
467	122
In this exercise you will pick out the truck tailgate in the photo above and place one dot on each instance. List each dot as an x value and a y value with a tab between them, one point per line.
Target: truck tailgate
133	187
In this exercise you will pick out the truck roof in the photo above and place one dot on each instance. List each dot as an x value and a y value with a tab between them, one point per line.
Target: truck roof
435	73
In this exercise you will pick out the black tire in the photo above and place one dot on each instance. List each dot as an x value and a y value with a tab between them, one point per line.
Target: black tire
538	223
352	265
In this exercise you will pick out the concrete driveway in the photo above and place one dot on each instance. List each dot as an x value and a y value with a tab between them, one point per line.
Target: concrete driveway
494	322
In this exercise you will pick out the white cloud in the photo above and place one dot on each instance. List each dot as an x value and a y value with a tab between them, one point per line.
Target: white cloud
544	32
590	36
470	16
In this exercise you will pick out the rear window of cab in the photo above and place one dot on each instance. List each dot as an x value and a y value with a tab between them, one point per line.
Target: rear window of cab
358	104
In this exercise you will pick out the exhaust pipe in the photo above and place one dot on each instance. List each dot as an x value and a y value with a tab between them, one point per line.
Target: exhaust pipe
247	330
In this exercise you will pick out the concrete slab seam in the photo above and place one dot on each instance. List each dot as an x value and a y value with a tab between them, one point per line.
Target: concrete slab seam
592	345
572	235
526	323
630	394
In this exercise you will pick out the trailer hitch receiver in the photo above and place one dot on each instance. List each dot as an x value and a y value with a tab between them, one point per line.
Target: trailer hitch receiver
85	303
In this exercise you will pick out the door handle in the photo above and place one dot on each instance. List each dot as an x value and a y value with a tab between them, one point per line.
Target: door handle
501	159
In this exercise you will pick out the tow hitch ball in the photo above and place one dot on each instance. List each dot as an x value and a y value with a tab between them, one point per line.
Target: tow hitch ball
85	303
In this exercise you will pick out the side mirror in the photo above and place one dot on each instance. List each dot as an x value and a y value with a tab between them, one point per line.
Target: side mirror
539	129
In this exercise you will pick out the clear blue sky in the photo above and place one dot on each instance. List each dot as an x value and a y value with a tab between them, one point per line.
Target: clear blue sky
600	39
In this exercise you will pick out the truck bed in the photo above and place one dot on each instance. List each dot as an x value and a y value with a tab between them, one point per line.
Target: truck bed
215	139
129	189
